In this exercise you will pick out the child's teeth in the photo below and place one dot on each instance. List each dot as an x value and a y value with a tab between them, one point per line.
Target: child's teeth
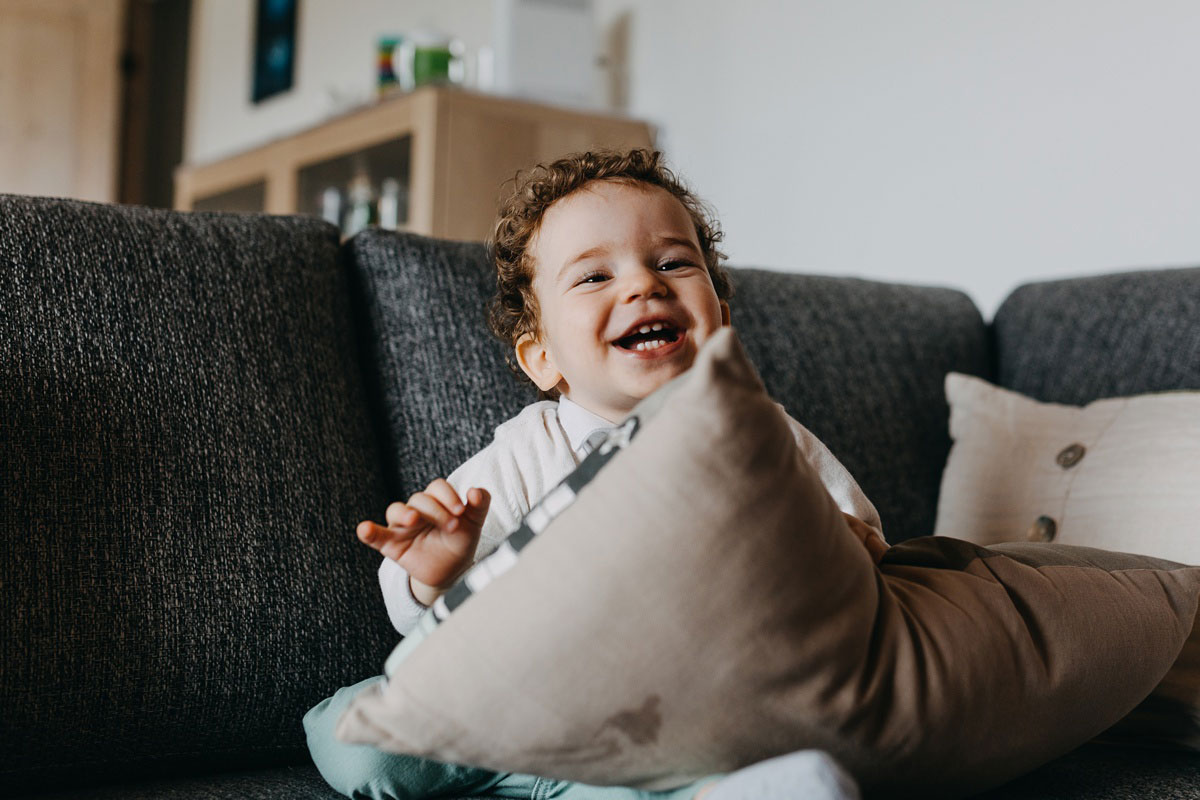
644	329
658	326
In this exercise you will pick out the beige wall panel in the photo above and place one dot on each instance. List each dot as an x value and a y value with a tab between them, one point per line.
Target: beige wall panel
59	97
98	130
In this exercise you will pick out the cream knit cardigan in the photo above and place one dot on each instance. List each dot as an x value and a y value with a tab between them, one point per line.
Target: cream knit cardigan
539	447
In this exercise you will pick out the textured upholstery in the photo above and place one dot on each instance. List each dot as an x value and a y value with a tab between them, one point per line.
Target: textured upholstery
860	363
1074	341
439	377
185	448
301	782
1093	772
185	455
1099	772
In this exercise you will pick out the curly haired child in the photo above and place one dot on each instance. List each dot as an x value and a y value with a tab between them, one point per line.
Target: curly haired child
609	281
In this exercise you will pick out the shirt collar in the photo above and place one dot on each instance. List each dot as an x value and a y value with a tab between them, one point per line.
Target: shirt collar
579	423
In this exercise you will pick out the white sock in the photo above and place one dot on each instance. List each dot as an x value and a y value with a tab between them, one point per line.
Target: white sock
808	774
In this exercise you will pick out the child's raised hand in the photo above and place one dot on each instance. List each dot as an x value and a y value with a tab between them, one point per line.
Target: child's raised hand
872	539
433	536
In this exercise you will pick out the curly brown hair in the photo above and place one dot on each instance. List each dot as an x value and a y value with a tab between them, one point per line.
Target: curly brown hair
513	312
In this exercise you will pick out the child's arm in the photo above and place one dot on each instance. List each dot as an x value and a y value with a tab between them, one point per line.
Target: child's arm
433	536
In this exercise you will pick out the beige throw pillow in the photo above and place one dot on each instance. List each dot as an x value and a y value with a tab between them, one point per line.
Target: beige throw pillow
1119	474
701	606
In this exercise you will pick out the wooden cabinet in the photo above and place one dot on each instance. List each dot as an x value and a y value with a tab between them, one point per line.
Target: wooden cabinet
439	156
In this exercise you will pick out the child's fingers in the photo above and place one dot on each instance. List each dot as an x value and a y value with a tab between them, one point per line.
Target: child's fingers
390	542
373	534
400	515
478	501
431	510
871	538
877	546
444	493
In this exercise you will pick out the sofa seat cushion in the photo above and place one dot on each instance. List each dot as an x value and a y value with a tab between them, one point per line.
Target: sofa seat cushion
299	782
1105	772
186	451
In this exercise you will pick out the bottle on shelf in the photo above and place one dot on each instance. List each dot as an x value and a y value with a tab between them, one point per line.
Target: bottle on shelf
389	204
361	212
331	205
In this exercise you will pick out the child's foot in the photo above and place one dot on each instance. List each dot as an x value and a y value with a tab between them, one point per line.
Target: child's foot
811	774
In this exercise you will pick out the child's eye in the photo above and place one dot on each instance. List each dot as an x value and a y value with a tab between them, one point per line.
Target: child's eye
592	277
669	265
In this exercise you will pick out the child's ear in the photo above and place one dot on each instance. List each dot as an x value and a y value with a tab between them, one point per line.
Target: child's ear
724	314
537	363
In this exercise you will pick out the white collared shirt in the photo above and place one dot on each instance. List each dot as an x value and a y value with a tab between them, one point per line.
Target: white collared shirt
539	447
579	423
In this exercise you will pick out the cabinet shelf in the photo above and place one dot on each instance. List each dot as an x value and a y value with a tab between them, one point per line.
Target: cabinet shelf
439	157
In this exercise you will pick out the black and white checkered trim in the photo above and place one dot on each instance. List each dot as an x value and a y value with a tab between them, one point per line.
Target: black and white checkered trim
601	447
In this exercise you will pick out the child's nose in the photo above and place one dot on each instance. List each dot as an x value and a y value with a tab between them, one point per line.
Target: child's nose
644	283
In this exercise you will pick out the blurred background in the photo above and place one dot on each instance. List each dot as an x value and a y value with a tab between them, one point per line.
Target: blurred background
978	144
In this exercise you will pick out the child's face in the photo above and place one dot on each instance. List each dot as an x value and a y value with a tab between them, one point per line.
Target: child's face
610	261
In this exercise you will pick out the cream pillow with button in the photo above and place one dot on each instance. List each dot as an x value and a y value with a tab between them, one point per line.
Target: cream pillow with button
1117	474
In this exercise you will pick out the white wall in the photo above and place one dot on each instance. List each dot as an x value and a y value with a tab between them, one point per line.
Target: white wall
976	144
971	143
335	64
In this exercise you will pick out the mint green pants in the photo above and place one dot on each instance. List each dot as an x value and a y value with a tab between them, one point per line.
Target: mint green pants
361	771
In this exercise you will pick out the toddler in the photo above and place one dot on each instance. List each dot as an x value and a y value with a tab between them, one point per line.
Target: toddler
609	281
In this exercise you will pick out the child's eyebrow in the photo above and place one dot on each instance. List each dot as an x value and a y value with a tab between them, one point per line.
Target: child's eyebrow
678	240
591	252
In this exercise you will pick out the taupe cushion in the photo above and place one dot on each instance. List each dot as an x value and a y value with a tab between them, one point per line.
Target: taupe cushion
1170	716
702	606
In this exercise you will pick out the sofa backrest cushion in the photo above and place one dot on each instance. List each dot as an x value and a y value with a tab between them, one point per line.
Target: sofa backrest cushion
860	363
1079	340
438	377
186	451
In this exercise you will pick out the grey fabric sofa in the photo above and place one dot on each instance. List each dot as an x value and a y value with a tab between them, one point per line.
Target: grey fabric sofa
196	409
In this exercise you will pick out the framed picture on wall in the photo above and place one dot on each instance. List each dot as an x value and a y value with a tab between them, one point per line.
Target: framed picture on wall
274	48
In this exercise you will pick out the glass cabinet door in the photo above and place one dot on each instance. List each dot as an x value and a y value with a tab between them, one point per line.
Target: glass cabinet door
360	188
251	197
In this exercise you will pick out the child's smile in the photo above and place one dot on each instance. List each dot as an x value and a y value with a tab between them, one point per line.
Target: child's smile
651	338
624	296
